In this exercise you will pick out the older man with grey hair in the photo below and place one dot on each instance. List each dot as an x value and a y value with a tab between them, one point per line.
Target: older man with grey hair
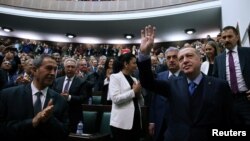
72	88
159	109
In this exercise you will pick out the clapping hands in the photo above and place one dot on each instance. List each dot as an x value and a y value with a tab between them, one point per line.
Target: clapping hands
44	115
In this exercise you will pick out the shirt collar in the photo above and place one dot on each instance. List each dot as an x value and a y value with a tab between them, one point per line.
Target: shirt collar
235	49
176	73
66	78
35	90
197	80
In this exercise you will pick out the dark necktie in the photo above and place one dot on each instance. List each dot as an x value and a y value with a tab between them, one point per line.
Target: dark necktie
172	76
66	87
191	87
233	78
38	103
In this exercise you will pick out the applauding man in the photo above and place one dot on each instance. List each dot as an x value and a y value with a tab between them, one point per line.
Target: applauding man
34	111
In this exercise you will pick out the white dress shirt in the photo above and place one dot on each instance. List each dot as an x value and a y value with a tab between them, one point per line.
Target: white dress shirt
35	90
240	81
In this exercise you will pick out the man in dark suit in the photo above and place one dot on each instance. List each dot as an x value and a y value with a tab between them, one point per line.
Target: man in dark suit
197	102
34	111
90	78
72	89
236	72
159	108
2	78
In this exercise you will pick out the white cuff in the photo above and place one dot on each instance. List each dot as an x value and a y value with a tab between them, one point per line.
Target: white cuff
69	98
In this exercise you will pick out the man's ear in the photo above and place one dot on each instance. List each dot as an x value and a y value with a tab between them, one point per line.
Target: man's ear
238	37
125	64
33	70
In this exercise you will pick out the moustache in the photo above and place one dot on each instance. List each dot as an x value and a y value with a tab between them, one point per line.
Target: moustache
227	43
51	76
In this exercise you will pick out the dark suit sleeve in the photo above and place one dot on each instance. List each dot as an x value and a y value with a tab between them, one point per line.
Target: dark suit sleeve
13	128
147	79
80	93
57	127
2	79
152	110
228	104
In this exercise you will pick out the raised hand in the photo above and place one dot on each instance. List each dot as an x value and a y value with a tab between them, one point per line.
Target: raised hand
147	39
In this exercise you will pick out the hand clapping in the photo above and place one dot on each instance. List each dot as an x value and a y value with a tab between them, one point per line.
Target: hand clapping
44	115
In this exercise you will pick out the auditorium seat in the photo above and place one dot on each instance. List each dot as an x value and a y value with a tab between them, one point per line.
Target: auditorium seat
89	121
104	125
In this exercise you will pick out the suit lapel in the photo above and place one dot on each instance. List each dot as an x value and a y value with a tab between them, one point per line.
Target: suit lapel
182	92
223	64
206	97
166	75
124	80
60	83
29	99
72	84
48	97
241	59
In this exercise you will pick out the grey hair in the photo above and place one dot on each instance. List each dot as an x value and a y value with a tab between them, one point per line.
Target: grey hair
68	60
171	49
56	54
196	51
103	57
37	62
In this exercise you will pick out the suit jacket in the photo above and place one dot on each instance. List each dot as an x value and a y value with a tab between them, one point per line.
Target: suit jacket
90	80
89	52
2	78
121	94
16	113
78	97
159	107
214	110
244	57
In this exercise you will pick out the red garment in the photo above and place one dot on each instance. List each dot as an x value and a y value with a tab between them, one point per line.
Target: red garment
126	50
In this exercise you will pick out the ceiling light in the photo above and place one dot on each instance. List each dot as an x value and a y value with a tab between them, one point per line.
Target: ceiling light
7	29
69	35
190	31
128	36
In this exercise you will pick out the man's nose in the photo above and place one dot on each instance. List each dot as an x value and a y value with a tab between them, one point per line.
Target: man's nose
53	71
185	59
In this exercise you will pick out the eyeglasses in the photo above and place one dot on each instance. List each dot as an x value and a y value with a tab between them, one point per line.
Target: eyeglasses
83	64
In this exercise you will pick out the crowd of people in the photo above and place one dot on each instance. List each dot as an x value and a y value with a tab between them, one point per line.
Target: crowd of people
189	90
